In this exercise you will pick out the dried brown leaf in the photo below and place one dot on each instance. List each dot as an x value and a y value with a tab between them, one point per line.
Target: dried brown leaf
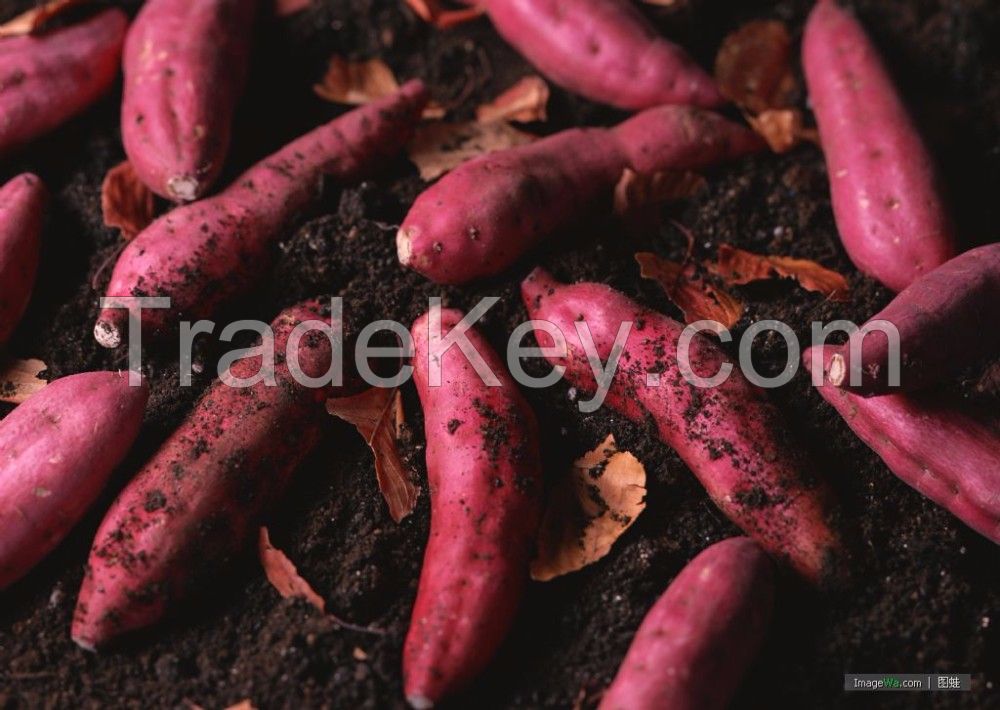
635	191
588	510
35	19
753	67
697	299
378	416
126	202
19	380
243	705
524	102
438	147
283	576
782	129
432	12
356	83
736	266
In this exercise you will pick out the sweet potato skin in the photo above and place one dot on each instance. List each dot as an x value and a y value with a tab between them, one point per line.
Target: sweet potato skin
484	477
46	80
887	198
22	206
730	436
197	501
948	456
604	50
484	215
185	66
57	451
207	253
696	643
946	320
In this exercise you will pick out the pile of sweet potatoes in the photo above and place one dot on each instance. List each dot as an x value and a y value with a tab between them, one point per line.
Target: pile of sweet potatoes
192	507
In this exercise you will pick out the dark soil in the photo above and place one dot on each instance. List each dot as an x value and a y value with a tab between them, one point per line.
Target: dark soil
926	591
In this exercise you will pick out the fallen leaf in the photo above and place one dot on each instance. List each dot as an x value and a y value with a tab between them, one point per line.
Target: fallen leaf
635	191
736	266
524	102
697	299
432	12
588	510
126	202
356	83
438	147
753	67
19	380
242	705
283	576
782	129
33	20
378	416
284	8
359	654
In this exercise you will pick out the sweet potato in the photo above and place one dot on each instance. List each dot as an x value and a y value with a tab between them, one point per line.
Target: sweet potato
730	435
57	451
886	195
695	644
484	477
207	253
199	499
185	65
604	50
22	202
948	456
484	215
946	321
48	79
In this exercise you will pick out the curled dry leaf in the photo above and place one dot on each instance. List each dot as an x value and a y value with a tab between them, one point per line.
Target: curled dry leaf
753	66
782	129
19	379
356	83
432	12
35	19
283	576
635	191
588	510
284	8
438	147
697	299
126	202
736	266
524	102
378	416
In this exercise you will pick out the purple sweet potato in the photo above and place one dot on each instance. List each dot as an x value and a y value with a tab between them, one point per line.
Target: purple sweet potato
22	203
945	454
207	253
696	643
57	451
484	477
484	215
604	50
200	498
730	436
48	79
185	65
887	198
946	321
